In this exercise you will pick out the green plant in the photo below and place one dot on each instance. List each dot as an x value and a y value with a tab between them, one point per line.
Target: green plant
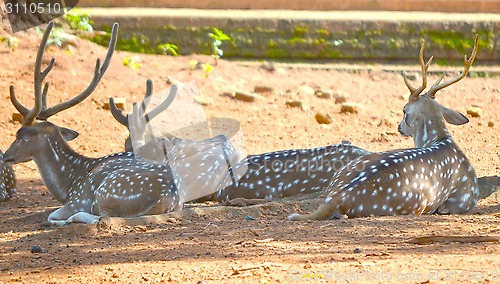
57	37
217	37
207	68
132	62
11	41
79	22
169	48
193	63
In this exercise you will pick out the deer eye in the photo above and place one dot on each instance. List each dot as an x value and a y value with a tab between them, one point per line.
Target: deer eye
406	119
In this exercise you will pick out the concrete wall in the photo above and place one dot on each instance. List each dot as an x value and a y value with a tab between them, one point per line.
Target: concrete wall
469	6
307	35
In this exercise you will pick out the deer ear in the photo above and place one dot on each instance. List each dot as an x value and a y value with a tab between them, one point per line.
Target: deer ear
68	134
454	117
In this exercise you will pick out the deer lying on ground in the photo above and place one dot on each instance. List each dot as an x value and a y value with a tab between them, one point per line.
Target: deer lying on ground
281	174
7	180
265	176
433	177
121	184
200	164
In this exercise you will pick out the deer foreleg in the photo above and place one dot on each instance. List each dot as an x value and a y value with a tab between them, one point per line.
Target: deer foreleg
83	217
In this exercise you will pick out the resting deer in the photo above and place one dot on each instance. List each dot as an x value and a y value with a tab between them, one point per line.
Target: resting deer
435	176
116	185
265	176
286	173
200	164
7	180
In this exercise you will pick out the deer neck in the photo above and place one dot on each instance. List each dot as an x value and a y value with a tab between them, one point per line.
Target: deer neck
59	166
430	132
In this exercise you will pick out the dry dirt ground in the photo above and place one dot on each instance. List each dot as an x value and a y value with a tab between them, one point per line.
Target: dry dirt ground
221	244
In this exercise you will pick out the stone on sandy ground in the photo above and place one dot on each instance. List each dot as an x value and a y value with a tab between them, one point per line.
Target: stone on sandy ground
324	94
119	102
268	66
204	101
474	111
263	89
294	103
172	81
323	118
491	123
306	90
244	96
489	188
341	96
17	117
352	107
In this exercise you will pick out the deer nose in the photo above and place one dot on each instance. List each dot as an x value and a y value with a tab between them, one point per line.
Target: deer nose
7	158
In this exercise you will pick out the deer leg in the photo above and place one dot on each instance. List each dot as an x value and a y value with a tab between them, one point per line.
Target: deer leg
83	217
60	216
460	201
327	209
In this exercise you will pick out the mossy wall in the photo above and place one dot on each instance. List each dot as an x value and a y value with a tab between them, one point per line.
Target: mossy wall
308	39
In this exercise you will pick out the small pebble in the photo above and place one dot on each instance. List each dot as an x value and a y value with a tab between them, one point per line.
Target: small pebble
341	96
263	89
327	94
294	103
36	249
352	107
357	250
491	123
268	66
323	118
306	90
474	111
172	81
247	96
17	117
204	101
119	102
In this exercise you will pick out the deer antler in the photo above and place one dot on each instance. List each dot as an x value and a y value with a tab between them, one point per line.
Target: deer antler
415	92
30	115
467	64
118	114
40	110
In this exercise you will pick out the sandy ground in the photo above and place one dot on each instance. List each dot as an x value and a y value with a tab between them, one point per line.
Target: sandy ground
220	244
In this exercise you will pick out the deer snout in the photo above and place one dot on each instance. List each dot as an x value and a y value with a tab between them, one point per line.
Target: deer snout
402	130
7	158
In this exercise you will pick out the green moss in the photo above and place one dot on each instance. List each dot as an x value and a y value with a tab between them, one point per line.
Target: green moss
271	44
276	53
322	32
300	31
457	40
320	41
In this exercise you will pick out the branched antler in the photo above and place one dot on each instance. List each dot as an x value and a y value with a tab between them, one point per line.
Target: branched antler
40	110
118	114
415	92
467	64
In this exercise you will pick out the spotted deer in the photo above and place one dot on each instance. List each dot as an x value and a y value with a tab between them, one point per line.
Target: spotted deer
200	164
7	180
281	174
116	185
433	177
265	176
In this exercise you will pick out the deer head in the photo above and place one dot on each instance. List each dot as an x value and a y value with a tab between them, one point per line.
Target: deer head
423	116
138	120
35	128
